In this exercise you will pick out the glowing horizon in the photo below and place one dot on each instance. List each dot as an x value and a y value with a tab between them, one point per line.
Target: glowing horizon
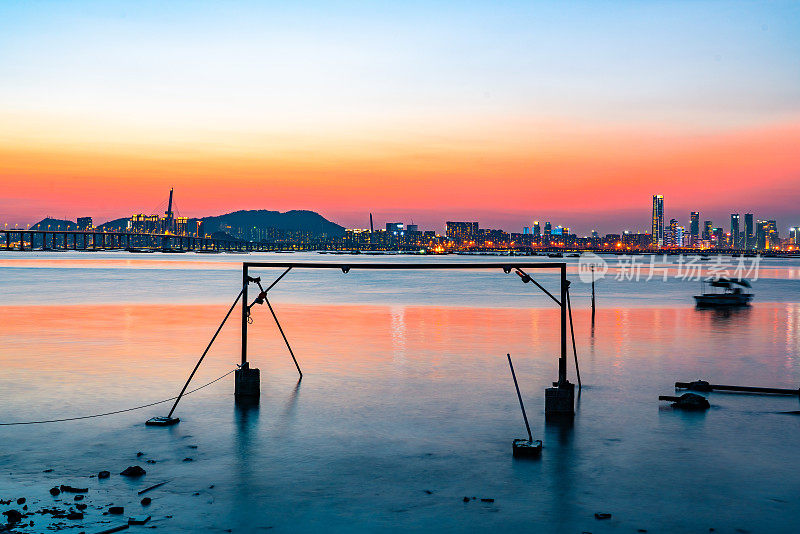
506	114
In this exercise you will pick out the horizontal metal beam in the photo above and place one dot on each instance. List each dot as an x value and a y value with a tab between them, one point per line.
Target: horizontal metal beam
405	266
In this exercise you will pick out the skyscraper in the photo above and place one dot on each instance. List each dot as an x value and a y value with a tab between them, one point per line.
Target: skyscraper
735	243
707	231
749	231
670	239
694	228
658	220
537	231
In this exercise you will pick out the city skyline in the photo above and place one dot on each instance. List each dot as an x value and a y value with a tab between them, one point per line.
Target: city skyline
270	227
502	113
659	228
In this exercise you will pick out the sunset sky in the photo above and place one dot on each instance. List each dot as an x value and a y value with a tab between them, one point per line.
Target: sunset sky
572	112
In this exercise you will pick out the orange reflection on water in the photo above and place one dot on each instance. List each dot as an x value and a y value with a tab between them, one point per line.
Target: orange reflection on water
113	349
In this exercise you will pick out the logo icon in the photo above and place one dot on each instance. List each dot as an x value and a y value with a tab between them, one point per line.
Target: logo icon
591	267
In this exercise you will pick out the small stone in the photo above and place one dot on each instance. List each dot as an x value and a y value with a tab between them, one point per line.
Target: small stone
642	530
487	500
47	471
75	515
133	471
81	506
602	515
70	489
146	501
116	510
150	461
13	516
138	519
25	507
54	491
139	454
78	498
196	493
466	499
211	486
429	492
187	459
21	500
103	474
192	446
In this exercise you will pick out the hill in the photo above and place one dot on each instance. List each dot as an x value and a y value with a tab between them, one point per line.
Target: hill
290	221
49	223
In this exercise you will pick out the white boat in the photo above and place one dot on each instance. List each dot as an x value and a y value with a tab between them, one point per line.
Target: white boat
732	293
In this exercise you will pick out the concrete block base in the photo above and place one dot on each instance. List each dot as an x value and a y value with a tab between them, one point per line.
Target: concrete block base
247	382
559	401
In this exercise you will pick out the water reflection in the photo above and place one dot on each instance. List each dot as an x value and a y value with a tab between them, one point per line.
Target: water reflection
373	431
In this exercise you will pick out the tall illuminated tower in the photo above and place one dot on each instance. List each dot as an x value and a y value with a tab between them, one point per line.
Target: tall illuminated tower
658	220
749	231
735	243
694	228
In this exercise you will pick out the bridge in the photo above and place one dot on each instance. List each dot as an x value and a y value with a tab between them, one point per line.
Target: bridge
93	240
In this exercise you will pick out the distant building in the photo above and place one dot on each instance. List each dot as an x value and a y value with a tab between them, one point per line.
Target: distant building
694	229
772	235
526	230
707	230
735	243
794	235
670	237
181	226
462	231
394	228
718	236
85	223
749	232
412	228
547	228
537	231
145	224
658	220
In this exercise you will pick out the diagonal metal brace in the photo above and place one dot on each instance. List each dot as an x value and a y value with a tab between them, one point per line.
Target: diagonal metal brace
262	296
261	299
284	336
527	278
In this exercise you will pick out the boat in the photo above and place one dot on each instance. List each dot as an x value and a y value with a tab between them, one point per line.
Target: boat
555	255
732	293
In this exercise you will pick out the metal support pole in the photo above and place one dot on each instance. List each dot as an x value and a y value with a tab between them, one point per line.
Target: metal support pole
283	335
196	367
519	396
245	282
574	348
562	361
592	294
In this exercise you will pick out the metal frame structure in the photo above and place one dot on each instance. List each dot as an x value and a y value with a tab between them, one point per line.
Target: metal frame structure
346	267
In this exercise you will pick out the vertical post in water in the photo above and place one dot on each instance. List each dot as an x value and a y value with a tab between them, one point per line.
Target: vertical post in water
592	294
559	400
562	362
247	381
245	275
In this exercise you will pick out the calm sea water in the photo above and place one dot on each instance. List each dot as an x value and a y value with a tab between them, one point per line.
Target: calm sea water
407	404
